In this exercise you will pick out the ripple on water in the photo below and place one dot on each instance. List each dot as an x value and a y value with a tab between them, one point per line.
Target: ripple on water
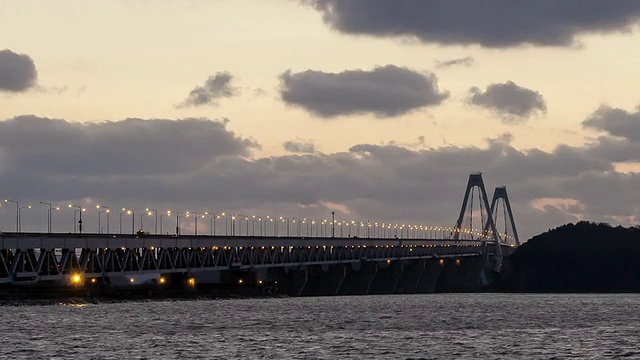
461	326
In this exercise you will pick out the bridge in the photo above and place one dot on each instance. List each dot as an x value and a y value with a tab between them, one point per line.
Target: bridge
389	259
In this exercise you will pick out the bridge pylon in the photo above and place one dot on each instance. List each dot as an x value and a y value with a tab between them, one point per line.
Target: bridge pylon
476	182
500	197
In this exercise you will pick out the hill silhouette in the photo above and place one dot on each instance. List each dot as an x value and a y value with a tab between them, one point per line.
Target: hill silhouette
581	257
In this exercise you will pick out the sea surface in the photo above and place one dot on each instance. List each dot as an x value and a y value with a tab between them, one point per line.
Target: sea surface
438	326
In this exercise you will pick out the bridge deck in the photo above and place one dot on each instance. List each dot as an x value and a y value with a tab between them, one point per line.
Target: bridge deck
37	257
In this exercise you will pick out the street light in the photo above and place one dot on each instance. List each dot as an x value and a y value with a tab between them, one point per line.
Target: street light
177	223
212	223
333	224
120	227
168	213
105	211
48	215
195	232
149	211
283	219
17	212
260	222
80	210
298	222
19	218
133	219
275	226
233	223
246	218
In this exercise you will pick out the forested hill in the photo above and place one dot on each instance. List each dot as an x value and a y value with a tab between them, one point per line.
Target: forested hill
582	257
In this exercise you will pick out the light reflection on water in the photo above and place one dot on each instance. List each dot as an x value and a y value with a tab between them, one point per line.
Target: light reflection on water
459	326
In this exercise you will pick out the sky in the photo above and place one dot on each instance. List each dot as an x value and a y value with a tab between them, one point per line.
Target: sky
376	109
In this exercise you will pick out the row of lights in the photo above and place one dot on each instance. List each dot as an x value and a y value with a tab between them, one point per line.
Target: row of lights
358	224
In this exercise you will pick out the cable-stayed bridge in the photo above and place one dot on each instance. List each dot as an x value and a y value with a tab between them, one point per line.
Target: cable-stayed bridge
371	258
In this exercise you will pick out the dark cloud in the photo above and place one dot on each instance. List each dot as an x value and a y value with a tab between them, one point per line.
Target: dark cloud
216	87
132	147
617	122
489	23
384	91
466	61
512	102
198	165
298	146
17	72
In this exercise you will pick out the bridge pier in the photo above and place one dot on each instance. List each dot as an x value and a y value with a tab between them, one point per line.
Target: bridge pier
410	278
358	278
447	276
324	280
387	277
430	275
297	280
462	275
475	267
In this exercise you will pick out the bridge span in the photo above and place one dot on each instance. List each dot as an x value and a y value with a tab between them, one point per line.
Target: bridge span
292	265
97	264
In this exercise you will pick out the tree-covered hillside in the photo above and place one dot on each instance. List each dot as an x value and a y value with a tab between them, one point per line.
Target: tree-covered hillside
582	257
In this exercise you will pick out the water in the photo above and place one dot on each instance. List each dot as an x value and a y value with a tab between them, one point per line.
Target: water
442	326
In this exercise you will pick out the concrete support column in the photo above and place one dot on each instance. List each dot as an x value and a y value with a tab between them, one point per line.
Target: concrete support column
430	275
358	278
445	282
324	280
297	281
387	277
411	275
475	273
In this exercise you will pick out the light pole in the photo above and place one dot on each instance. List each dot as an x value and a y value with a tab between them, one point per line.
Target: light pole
98	207
212	224
233	223
333	224
246	219
149	211
298	222
253	225
17	212
133	219
275	226
177	223
19	217
283	219
195	231
260	222
161	221
48	215
80	210
105	211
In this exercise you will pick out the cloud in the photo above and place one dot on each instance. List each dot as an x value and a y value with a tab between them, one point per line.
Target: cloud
465	61
215	88
616	122
384	91
199	165
298	146
132	147
489	23
512	102
17	72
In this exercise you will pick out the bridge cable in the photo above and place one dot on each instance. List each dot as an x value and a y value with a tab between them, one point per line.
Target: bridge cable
506	229
482	213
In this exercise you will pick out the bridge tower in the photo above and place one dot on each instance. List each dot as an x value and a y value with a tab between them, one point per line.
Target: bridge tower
500	201
489	231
